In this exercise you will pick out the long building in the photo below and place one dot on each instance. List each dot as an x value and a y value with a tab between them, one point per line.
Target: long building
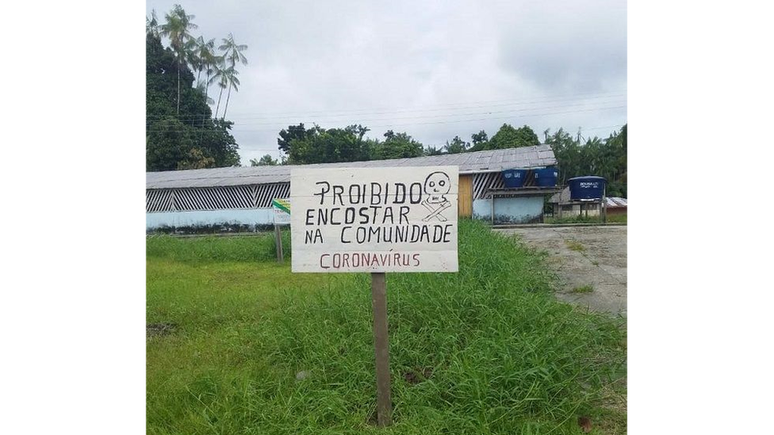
240	197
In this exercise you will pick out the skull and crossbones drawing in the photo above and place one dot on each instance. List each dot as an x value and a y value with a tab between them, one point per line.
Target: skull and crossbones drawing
437	186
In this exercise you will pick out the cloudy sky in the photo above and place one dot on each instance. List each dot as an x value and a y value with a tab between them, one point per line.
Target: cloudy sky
434	69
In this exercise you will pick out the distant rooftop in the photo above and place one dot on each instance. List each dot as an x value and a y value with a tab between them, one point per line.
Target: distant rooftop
469	163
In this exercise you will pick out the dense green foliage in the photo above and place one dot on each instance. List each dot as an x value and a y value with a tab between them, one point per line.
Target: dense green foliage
604	158
396	146
484	350
318	145
506	137
595	156
266	160
180	131
456	146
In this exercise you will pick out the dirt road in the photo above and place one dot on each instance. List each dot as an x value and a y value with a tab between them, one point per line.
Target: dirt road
589	260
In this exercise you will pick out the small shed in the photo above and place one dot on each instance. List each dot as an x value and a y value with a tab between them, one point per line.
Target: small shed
563	206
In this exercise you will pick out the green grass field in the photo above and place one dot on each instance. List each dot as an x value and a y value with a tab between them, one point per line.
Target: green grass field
485	350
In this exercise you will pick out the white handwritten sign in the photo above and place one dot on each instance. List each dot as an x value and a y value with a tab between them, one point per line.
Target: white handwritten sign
374	219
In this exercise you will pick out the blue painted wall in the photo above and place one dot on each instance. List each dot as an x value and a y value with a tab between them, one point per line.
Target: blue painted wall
259	216
517	210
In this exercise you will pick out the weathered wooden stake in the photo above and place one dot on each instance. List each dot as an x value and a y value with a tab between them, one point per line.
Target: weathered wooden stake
382	350
278	242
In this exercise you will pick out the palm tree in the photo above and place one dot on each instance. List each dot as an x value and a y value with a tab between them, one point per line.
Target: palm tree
232	51
233	82
152	24
221	73
212	68
176	28
191	54
204	56
202	87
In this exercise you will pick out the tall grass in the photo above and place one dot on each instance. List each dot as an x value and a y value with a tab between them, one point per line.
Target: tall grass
216	249
485	350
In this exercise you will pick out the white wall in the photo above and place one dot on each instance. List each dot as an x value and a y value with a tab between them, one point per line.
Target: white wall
520	209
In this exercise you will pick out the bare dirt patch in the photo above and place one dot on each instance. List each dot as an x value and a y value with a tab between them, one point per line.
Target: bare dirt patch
587	257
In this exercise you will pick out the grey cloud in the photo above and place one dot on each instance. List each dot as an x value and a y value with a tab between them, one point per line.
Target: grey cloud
395	56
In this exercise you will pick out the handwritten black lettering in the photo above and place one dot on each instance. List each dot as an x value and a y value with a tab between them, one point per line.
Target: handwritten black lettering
363	215
343	239
404	210
323	191
349	215
310	216
337	192
376	191
333	211
313	236
415	195
400	193
356	198
388	216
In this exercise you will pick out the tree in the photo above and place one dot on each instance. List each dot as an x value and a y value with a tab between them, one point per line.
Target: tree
187	137
480	141
171	145
509	137
168	142
568	154
292	132
204	56
232	54
318	145
266	160
233	82
196	159
152	24
433	151
216	140
221	77
604	158
396	146
456	146
161	72
176	28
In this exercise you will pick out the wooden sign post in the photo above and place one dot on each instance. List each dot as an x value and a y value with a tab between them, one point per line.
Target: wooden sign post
382	349
375	220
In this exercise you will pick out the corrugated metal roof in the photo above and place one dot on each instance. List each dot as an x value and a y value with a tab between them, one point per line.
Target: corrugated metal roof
469	163
615	202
